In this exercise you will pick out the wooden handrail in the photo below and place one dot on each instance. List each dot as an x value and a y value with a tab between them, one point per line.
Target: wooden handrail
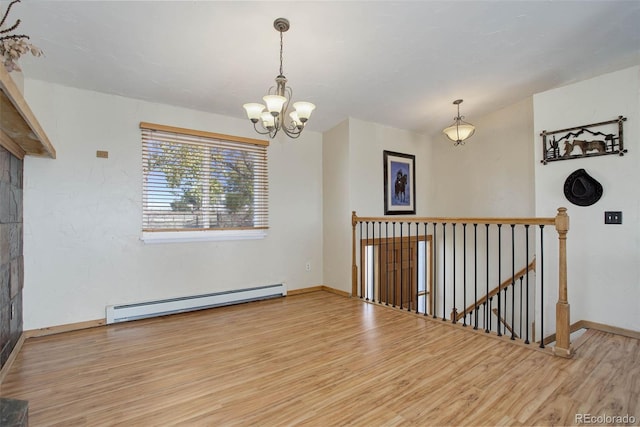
504	322
494	291
458	220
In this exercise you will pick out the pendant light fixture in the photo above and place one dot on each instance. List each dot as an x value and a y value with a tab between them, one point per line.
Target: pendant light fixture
460	130
277	103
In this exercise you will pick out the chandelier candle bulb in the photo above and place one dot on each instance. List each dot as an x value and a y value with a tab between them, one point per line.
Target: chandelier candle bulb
296	120
268	121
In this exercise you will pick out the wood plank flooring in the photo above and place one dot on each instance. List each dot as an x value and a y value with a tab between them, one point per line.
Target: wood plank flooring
314	359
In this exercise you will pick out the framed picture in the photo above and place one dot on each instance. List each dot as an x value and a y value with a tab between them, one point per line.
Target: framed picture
399	183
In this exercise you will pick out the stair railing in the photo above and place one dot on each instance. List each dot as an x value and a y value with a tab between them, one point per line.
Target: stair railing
432	266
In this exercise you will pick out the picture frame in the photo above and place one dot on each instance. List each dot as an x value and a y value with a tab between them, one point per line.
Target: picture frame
399	183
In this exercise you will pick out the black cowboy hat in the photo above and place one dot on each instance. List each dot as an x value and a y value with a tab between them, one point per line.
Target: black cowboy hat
582	189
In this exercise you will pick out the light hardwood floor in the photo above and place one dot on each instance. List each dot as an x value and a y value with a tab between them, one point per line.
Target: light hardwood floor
314	359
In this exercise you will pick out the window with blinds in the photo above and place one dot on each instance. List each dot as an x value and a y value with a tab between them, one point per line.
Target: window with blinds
202	181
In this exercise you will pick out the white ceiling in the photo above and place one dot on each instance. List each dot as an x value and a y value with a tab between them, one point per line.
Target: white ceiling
396	63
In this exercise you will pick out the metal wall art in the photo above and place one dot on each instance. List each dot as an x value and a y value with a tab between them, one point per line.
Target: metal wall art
598	139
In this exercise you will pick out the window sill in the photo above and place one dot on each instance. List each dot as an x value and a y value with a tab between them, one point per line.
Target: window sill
154	237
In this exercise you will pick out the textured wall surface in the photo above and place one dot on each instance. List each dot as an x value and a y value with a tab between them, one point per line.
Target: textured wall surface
83	214
603	260
11	261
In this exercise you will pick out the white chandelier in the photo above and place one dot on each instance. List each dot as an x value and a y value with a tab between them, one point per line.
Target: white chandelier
459	130
277	102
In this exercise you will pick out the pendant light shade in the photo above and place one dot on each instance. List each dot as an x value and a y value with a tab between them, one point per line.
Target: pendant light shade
460	130
254	111
304	110
274	103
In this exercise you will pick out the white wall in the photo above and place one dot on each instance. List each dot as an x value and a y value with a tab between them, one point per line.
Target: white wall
367	141
492	174
353	181
83	215
603	260
336	207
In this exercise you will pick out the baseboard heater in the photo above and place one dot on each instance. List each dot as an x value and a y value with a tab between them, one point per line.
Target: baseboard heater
126	312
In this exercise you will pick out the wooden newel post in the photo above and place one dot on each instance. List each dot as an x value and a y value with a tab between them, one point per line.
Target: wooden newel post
563	320
354	267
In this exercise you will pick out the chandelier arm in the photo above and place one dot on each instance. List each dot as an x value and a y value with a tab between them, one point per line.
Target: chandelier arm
260	132
290	93
291	134
280	121
292	128
285	107
277	123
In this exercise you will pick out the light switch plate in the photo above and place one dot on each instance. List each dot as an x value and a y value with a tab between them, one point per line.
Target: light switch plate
613	217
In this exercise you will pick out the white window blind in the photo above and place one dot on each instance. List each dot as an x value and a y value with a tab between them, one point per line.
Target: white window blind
198	181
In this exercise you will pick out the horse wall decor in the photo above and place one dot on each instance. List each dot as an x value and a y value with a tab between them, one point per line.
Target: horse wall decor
585	146
399	183
584	141
400	193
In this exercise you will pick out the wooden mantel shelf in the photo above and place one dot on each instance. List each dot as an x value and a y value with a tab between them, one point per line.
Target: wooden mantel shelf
20	132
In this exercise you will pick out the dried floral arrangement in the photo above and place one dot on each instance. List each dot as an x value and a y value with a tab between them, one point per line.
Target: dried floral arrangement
13	46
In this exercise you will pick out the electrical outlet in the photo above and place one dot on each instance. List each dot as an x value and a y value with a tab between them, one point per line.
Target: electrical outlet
307	266
613	217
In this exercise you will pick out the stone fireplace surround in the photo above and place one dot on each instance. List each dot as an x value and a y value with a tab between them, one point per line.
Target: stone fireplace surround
11	257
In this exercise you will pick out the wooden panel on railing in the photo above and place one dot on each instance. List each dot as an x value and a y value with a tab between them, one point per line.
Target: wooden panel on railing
395	262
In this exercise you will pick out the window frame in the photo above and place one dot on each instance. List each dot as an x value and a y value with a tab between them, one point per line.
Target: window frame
216	140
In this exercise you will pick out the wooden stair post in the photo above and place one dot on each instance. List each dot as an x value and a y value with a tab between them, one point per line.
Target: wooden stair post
563	322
